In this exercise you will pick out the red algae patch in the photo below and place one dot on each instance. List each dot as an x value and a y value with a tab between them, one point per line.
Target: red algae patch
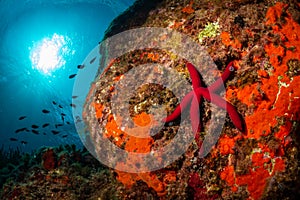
226	39
189	8
272	99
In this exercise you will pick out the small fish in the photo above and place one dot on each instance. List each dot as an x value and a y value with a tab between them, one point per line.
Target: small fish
64	136
80	66
73	105
93	60
45	125
20	130
60	106
35	132
27	130
22	117
72	76
74	97
54	103
68	122
13	139
78	120
55	132
58	125
45	111
24	142
63	119
63	114
34	126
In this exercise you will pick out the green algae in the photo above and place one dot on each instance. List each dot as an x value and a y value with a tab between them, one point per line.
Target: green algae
210	30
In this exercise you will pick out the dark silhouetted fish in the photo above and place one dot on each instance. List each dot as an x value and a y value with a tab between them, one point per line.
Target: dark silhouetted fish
54	103
74	97
58	125
35	132
63	119
45	125
64	136
55	132
13	139
72	76
24	142
20	130
63	114
60	106
80	66
93	60
45	111
68	122
22	117
73	105
34	126
78	120
27	130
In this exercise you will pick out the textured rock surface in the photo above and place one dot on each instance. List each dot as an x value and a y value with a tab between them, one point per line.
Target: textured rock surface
262	38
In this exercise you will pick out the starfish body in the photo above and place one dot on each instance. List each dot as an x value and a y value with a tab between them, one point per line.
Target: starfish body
195	99
194	109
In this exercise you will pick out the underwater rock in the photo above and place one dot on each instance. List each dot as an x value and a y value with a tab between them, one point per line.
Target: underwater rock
261	37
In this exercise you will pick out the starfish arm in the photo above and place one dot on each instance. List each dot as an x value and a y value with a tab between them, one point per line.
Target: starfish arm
195	76
195	114
182	106
215	99
220	81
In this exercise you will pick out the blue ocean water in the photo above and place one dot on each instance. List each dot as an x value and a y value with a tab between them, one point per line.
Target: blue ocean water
42	42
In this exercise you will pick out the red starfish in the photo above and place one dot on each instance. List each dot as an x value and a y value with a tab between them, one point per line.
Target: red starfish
195	97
